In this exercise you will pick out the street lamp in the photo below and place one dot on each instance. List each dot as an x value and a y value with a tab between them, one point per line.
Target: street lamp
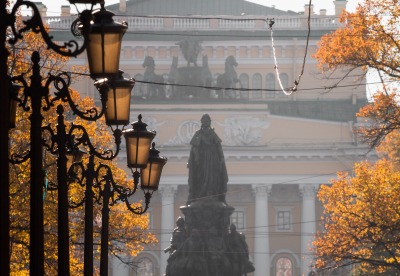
117	94
109	192
150	176
104	48
138	140
102	39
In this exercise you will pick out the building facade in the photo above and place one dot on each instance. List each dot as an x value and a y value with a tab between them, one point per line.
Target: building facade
279	146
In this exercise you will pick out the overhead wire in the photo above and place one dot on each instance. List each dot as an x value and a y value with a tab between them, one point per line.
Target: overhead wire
286	91
234	89
195	34
289	91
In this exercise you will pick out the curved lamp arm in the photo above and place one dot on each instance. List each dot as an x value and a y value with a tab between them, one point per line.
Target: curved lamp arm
24	101
81	137
16	158
35	24
120	193
139	210
61	83
49	141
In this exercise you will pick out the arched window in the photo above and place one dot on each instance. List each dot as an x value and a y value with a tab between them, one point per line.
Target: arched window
270	86
244	80
138	88
284	267
145	267
285	83
257	84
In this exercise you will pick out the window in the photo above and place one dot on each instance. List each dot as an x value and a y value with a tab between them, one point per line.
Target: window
257	84
284	267
270	86
244	80
284	219
237	218
145	267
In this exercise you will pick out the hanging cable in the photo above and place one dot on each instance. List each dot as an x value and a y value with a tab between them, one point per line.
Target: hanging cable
288	91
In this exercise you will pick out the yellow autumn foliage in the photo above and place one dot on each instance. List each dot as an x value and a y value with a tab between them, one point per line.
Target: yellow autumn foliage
368	38
128	232
379	118
361	219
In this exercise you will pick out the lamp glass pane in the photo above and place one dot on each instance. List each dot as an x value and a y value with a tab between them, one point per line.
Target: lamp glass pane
118	106
150	176
137	157
112	49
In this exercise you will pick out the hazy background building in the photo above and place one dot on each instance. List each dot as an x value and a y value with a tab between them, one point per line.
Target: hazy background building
278	148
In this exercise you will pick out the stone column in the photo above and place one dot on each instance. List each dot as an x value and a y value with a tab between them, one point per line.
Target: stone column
167	222
308	227
261	241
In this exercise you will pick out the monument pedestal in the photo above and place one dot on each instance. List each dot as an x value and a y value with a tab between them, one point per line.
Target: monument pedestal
205	243
207	215
209	249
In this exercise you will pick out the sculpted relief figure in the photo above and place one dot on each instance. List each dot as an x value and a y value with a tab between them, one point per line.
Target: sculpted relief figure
236	243
208	176
190	49
178	236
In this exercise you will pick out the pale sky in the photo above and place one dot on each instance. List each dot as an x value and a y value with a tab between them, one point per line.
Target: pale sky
54	6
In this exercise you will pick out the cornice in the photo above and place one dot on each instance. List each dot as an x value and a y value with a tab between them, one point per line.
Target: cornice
306	153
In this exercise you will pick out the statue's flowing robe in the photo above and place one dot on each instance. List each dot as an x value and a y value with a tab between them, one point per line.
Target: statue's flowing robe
208	176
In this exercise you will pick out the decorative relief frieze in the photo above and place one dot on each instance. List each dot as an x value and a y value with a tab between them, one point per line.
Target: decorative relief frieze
244	131
184	133
238	131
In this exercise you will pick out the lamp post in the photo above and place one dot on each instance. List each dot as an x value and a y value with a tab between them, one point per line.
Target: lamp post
78	136
67	145
108	191
97	32
111	193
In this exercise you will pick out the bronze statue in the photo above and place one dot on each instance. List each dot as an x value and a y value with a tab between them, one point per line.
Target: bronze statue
190	49
178	236
202	245
228	79
240	252
208	176
155	83
189	259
